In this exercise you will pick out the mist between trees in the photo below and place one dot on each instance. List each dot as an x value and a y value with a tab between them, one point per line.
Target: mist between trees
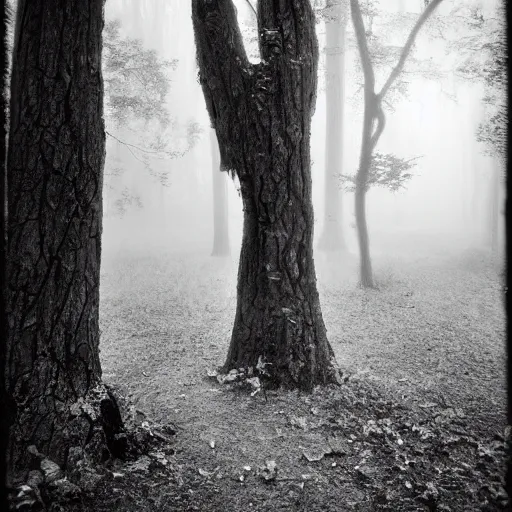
436	114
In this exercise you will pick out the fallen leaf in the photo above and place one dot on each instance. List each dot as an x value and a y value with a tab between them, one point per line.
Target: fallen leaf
208	474
315	454
337	446
428	405
269	472
299	422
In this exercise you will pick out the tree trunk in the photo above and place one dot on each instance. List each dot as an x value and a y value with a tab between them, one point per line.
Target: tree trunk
220	202
373	113
365	265
494	209
55	176
332	234
262	115
5	404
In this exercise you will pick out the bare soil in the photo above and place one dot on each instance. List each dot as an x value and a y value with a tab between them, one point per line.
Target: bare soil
419	423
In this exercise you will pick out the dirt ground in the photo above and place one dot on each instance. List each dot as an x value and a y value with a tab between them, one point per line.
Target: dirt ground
419	423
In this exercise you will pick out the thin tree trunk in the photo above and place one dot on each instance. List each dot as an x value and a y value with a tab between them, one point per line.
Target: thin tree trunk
495	207
366	274
262	115
332	234
220	202
374	115
55	174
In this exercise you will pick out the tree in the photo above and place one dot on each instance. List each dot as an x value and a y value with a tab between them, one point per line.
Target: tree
220	202
5	405
136	82
483	59
55	164
492	132
262	117
335	14
373	125
142	135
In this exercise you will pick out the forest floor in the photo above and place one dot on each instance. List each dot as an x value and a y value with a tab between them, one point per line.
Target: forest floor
420	423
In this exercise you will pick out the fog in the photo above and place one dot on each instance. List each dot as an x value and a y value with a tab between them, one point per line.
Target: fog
443	209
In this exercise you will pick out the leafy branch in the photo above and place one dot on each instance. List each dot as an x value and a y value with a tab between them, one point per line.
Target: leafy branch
386	170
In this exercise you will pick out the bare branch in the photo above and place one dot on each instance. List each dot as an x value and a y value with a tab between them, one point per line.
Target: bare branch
362	44
131	145
252	7
157	155
408	45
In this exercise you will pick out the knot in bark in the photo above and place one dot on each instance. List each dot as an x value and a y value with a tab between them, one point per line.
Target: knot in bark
272	43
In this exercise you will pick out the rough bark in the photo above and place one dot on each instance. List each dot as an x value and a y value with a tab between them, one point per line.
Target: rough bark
5	405
262	116
55	173
220	202
332	232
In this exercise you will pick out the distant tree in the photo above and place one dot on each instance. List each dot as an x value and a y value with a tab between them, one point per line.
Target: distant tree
492	132
262	116
137	82
335	15
55	164
220	202
373	125
383	30
483	58
384	53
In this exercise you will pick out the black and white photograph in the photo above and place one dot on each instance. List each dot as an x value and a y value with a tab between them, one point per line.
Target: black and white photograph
253	256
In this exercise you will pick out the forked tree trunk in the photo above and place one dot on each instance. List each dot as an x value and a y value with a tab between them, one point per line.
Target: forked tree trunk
55	177
262	115
220	202
332	232
373	124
